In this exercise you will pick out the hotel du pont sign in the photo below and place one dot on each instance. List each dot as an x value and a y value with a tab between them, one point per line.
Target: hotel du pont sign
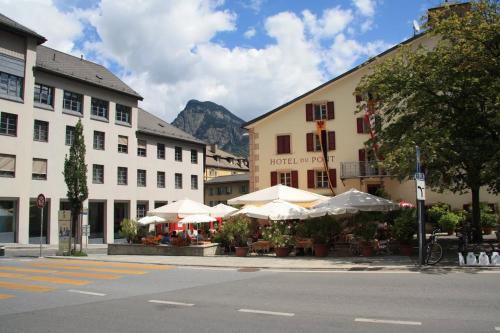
299	160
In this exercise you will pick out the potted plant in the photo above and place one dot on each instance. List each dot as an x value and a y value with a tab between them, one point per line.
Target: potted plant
489	219
279	233
321	229
405	226
237	229
128	229
366	231
449	221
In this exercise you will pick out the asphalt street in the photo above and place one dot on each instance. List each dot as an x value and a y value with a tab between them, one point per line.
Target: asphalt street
42	295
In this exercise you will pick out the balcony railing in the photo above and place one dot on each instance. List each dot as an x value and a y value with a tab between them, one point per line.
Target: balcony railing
360	170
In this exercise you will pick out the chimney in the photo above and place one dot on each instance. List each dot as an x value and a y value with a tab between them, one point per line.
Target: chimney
81	57
458	9
213	148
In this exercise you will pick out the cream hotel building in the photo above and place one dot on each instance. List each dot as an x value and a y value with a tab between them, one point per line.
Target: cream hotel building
135	160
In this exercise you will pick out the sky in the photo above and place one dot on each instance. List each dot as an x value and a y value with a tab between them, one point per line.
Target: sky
249	56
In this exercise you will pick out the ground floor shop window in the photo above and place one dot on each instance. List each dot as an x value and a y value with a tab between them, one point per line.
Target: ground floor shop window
142	209
121	211
34	222
8	218
97	221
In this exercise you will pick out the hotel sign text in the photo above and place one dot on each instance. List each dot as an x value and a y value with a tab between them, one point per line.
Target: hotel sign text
299	160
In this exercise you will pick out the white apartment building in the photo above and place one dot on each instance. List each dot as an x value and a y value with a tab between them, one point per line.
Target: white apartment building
135	160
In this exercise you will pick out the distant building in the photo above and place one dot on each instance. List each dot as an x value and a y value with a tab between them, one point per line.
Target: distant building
135	160
220	163
221	189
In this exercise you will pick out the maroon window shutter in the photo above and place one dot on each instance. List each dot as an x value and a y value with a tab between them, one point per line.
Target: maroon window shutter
331	140
310	178
310	141
279	145
362	155
330	110
274	178
295	178
333	177
359	124
309	112
286	144
359	99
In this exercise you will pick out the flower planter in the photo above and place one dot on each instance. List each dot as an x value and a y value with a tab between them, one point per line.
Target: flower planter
406	250
282	251
241	251
320	250
367	250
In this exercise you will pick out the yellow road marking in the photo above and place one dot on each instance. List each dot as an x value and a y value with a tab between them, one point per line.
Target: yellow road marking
25	287
6	296
26	270
55	272
43	278
90	269
115	264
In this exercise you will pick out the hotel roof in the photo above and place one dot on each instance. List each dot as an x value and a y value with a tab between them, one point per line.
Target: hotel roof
229	179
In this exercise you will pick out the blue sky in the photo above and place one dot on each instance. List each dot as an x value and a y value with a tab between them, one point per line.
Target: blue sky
249	56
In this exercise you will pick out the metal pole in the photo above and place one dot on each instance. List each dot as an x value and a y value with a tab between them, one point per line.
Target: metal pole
420	213
41	233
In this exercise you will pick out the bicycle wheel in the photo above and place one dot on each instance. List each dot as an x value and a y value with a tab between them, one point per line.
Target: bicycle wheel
434	253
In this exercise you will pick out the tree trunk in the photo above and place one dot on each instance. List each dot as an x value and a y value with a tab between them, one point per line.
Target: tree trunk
80	223
476	216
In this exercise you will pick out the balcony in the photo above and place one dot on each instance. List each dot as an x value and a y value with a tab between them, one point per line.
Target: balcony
360	170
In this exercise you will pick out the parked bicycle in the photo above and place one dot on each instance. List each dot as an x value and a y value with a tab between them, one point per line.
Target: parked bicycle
434	251
465	243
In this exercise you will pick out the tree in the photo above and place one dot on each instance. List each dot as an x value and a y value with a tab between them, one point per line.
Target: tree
446	100
75	176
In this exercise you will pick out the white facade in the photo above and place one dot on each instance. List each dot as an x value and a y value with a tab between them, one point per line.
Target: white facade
19	189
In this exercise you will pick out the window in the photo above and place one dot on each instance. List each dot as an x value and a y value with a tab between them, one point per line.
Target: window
122	176
141	148
122	144
8	124
123	113
219	190
43	94
194	182
229	190
142	209
98	174
41	131
99	108
160	151
99	138
72	101
285	178
211	191
362	125
70	135
178	180
194	156
178	154
141	178
321	179
160	179
317	143
243	189
320	111
160	203
283	143
39	171
11	85
7	165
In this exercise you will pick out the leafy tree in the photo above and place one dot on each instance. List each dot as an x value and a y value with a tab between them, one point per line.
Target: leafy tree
446	100
75	176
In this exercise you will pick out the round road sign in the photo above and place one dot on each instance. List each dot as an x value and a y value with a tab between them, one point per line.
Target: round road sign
40	201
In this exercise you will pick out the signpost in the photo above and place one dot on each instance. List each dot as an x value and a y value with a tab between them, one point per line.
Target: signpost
420	193
40	203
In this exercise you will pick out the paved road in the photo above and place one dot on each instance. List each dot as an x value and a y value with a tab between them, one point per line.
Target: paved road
40	295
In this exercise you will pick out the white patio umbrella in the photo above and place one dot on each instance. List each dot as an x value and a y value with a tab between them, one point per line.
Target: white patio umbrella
222	210
151	219
277	210
180	209
243	210
198	218
277	192
322	211
358	200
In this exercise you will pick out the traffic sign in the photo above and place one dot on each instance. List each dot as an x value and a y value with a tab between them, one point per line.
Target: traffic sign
420	186
40	201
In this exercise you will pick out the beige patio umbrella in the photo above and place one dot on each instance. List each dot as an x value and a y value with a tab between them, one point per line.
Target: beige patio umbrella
277	192
354	199
222	210
180	209
277	210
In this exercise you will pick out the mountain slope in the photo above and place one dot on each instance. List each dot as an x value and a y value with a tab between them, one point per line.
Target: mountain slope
213	123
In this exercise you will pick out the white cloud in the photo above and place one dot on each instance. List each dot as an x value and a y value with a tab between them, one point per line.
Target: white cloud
366	7
254	5
250	33
333	21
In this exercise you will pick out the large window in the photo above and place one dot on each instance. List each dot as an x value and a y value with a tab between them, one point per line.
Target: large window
99	138
11	85
99	108
141	148
320	112
194	156
194	182
321	179
39	170
160	151
123	113
142	209
178	180
70	135
7	165
41	131
122	144
141	178
43	94
122	176
73	101
178	154
98	174
8	123
285	178
283	144
160	179
244	189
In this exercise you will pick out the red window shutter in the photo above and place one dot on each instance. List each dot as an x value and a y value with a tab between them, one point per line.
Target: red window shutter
310	179
295	178
286	144
310	141
274	178
331	140
359	99
333	177
359	124
330	110
279	145
362	155
309	112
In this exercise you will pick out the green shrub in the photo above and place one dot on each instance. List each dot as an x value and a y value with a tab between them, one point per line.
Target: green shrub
279	233
405	225
449	221
489	218
322	229
78	253
237	229
128	229
436	211
366	230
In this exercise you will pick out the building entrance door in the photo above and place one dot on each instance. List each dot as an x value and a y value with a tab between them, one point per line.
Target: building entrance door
97	221
34	222
121	211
